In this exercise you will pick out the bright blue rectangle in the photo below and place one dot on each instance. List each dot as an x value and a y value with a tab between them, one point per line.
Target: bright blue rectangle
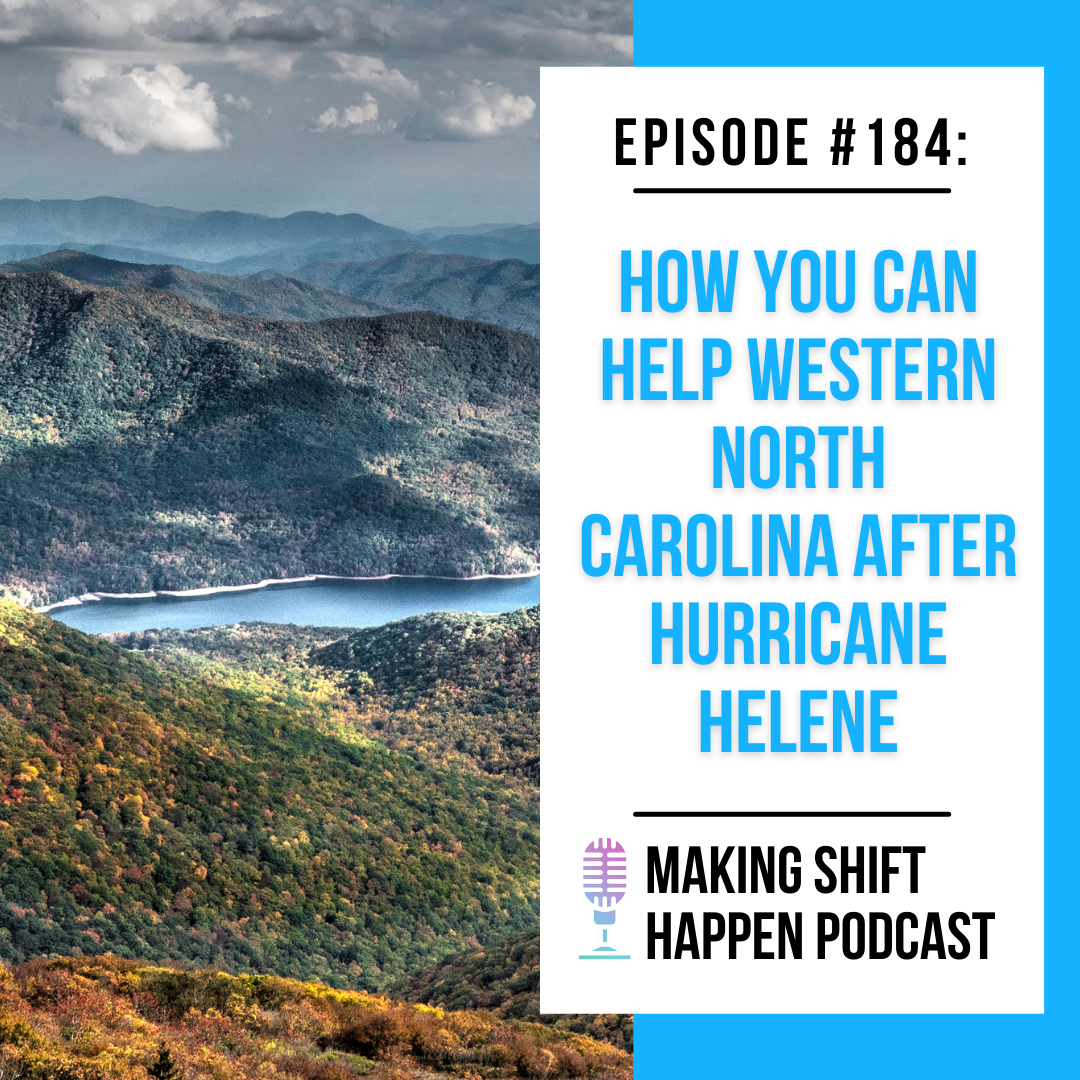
782	33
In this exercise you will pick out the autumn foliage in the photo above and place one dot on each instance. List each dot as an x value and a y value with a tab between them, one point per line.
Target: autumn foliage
94	1018
154	815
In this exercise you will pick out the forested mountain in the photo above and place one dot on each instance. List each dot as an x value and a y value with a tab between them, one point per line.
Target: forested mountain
148	443
279	297
505	292
450	684
490	660
155	814
92	1018
451	688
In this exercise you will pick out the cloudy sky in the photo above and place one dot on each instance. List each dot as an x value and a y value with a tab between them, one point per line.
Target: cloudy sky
415	112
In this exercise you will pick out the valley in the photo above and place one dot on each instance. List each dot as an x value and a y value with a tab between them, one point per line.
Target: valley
262	848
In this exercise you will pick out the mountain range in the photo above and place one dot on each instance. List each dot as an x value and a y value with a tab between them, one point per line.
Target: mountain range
275	297
506	292
233	242
149	443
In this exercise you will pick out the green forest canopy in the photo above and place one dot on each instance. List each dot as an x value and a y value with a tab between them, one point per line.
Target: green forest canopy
449	688
153	814
147	443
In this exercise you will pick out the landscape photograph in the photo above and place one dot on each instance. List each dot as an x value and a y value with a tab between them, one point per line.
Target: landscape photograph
269	539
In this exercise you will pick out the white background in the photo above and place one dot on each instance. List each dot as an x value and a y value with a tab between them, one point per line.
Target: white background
620	735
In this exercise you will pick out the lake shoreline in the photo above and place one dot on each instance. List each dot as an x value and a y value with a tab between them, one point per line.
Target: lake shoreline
213	590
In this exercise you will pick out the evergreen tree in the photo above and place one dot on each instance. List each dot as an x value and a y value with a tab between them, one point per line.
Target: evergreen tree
164	1068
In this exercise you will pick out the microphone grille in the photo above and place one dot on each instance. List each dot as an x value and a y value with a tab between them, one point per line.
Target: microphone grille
604	872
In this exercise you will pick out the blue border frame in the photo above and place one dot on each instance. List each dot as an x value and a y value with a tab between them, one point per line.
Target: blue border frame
921	33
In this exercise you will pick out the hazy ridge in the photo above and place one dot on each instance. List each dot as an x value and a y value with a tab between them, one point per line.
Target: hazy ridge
233	242
506	292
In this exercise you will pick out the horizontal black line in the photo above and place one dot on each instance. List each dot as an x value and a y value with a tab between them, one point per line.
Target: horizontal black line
792	191
794	813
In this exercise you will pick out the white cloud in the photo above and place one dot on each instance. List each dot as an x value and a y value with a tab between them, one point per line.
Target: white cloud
361	119
621	44
370	71
551	31
88	20
364	113
99	22
241	102
130	111
475	111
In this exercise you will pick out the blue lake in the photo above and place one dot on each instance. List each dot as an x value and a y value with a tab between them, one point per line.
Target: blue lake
318	603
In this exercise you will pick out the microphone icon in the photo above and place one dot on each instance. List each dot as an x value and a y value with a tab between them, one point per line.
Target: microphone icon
604	880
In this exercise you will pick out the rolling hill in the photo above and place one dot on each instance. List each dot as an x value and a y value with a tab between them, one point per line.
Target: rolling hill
148	443
155	814
504	979
451	688
91	1018
507	293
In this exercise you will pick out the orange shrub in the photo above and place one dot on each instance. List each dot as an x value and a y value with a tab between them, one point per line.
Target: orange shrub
373	1032
307	1068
